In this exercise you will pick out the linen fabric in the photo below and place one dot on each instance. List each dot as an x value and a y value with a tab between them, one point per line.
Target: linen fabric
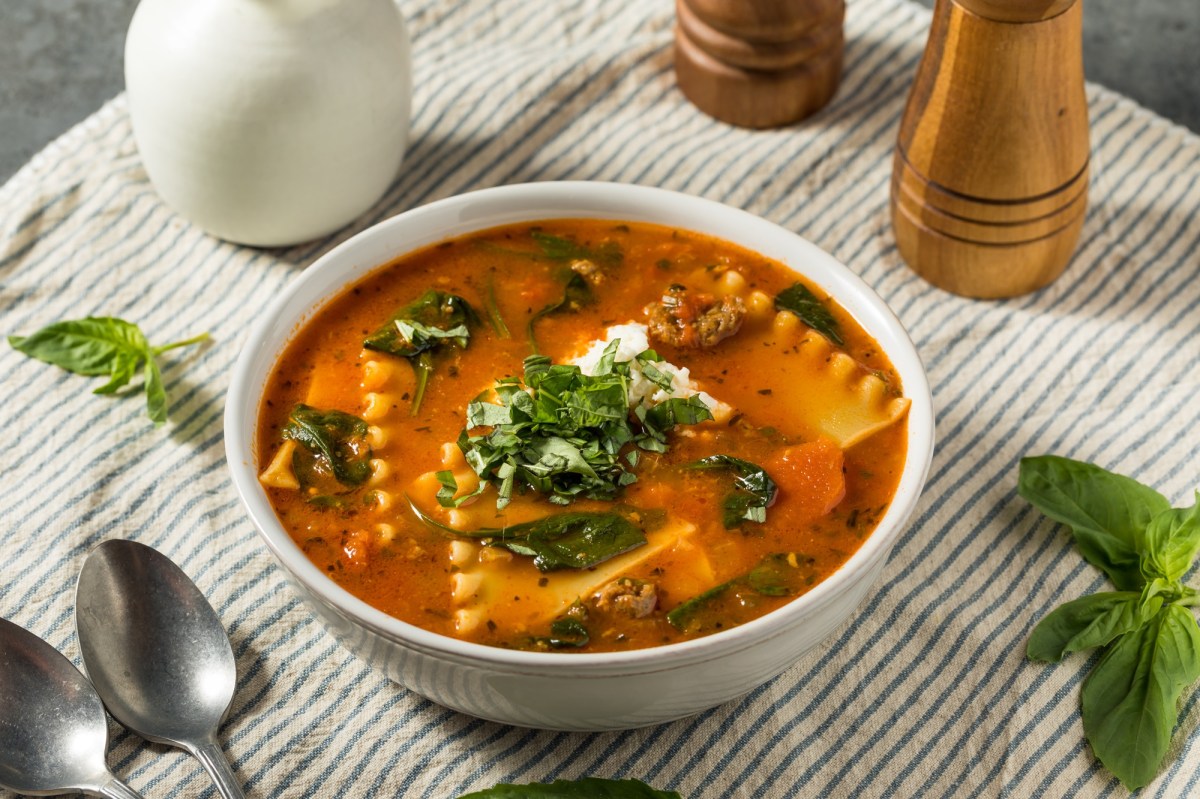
925	692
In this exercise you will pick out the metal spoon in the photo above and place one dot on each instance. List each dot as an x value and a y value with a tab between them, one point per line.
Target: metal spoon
53	731
156	652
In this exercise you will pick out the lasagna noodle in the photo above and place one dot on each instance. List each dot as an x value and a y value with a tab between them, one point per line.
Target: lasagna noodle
512	590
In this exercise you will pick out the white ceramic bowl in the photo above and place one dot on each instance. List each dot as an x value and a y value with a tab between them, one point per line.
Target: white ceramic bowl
559	690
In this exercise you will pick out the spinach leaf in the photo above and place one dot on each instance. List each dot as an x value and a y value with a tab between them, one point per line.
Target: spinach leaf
1105	511
426	325
104	345
576	294
586	788
1088	622
701	613
566	633
800	300
575	540
566	434
777	574
493	309
333	456
1129	699
754	490
558	248
1170	542
558	541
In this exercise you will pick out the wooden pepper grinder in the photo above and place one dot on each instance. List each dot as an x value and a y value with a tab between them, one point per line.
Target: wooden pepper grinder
758	63
990	176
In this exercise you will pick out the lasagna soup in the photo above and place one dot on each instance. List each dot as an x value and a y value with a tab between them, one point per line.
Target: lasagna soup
580	435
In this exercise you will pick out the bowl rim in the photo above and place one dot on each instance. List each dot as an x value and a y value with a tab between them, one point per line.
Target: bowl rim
457	215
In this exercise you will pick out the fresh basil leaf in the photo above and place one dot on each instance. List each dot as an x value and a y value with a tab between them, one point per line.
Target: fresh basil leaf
1105	511
156	393
800	300
333	455
104	345
576	294
430	323
84	346
646	361
754	490
1129	699
1170	542
445	494
1089	622
124	367
487	414
676	411
586	788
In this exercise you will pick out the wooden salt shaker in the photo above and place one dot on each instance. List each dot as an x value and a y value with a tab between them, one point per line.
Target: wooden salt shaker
990	175
758	63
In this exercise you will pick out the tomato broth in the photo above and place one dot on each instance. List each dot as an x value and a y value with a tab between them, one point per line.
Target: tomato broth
778	447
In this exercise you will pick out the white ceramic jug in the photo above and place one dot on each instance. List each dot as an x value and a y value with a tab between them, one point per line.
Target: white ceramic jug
269	122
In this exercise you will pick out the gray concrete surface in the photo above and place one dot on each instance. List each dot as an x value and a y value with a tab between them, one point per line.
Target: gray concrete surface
61	59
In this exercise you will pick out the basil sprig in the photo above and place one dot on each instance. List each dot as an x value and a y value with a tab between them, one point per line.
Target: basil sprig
1150	639
585	788
104	345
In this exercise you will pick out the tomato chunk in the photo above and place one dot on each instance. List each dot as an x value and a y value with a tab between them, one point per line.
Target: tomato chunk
810	477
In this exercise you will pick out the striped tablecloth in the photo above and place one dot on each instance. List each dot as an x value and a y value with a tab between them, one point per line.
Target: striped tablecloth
924	693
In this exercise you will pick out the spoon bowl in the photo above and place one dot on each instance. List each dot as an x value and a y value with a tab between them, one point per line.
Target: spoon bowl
53	731
156	652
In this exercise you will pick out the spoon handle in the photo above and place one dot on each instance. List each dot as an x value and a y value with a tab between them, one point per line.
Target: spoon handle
213	759
113	788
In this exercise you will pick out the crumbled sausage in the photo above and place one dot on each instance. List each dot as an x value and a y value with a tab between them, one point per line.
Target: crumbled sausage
686	319
590	271
634	598
356	547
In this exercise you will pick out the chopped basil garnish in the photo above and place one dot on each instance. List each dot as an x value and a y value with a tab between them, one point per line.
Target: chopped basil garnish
561	432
